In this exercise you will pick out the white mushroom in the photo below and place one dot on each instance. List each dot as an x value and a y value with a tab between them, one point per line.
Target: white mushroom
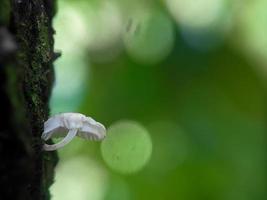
70	125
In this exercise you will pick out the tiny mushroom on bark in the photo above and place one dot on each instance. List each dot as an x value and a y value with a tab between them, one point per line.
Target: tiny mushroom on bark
70	125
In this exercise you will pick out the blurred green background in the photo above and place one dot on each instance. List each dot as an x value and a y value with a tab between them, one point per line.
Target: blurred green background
180	85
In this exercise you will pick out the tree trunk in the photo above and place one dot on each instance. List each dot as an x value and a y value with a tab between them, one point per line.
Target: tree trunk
26	79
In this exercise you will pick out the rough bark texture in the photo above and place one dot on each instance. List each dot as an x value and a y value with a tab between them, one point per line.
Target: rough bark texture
26	78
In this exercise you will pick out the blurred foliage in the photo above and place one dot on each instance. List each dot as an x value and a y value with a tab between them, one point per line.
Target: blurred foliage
191	72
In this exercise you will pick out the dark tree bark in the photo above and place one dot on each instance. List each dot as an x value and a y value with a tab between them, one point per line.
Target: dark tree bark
26	78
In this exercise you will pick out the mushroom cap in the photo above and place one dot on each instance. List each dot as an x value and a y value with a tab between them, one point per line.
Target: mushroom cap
60	124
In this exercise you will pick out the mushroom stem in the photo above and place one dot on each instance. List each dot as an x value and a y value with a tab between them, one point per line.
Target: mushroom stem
71	134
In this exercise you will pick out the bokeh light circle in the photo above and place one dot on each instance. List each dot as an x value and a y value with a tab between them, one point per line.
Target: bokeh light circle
103	23
72	33
204	24
196	13
149	36
127	147
80	178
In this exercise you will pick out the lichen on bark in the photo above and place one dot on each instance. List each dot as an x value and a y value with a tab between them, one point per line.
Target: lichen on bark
26	82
